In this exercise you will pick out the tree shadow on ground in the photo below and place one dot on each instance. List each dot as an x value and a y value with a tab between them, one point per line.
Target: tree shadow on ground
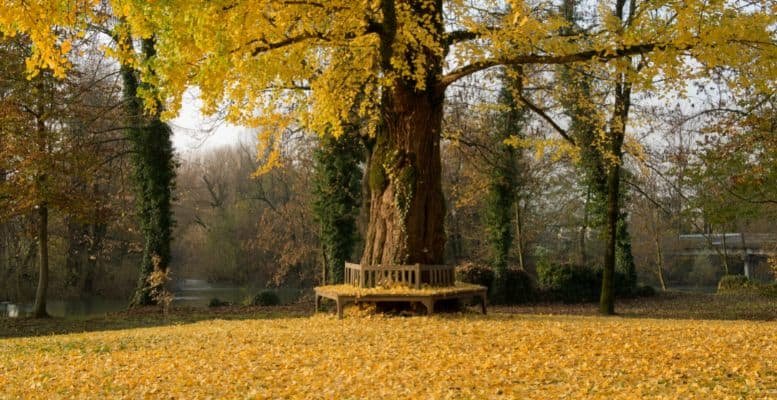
669	305
144	318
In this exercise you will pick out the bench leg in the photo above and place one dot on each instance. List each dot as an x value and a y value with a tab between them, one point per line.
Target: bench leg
339	309
483	303
317	304
429	304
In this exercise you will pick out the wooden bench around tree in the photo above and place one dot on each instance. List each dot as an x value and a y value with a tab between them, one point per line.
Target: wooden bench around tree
413	276
345	294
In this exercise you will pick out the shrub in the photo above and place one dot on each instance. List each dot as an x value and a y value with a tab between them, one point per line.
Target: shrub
157	283
704	272
519	287
734	283
569	283
769	290
645	291
576	284
216	302
477	274
266	298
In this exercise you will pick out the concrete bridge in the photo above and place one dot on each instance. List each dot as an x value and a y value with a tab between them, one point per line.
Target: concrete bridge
749	246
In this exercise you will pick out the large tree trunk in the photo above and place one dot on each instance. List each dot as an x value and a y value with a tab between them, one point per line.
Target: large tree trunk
39	309
407	208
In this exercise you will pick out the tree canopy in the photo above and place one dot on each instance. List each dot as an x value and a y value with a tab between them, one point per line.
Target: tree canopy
261	57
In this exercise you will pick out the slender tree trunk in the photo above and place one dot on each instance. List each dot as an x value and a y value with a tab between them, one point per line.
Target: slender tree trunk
5	265
617	134
584	229
324	266
660	262
725	252
39	309
659	250
504	186
519	233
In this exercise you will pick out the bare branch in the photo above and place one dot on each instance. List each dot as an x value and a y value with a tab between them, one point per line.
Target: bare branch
564	134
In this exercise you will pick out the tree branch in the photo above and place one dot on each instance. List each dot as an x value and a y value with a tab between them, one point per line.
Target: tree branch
604	55
265	46
564	134
454	37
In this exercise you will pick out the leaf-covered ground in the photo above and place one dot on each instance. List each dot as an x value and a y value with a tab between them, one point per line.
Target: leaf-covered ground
454	356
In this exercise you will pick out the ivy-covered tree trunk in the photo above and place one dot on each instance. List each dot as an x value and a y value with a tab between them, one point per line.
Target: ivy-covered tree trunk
154	177
337	191
624	258
503	183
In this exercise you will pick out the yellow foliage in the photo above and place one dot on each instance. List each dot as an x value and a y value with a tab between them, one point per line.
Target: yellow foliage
328	64
457	357
37	18
555	148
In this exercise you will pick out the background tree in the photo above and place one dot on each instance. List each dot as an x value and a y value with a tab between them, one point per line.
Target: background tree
154	173
45	147
503	218
337	193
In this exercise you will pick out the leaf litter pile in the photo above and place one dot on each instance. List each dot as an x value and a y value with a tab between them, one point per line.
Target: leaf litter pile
467	357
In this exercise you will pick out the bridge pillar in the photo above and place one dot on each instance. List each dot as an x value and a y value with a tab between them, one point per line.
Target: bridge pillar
748	266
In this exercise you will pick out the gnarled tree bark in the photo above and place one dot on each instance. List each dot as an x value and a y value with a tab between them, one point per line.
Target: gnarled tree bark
407	208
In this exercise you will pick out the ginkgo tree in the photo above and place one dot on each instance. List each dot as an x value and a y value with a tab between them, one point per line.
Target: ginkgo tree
387	64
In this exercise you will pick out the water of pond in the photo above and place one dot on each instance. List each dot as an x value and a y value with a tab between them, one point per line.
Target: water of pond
188	293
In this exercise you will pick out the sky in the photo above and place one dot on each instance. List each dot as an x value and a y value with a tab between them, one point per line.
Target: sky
194	132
